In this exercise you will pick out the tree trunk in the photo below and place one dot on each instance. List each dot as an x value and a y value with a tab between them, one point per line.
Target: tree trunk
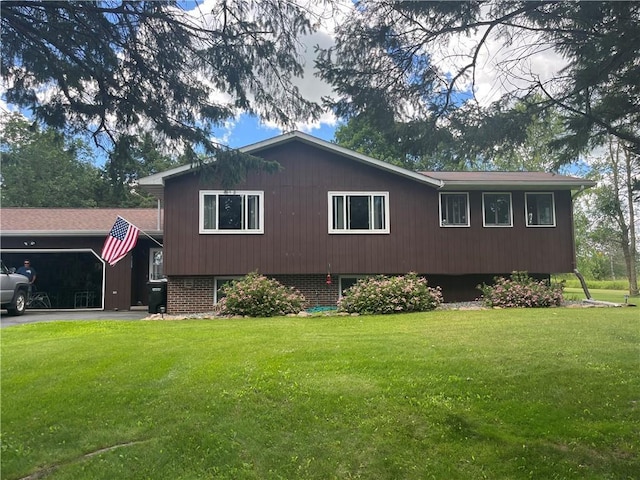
631	261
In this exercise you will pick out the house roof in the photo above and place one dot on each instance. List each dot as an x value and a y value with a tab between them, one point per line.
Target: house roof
75	221
154	184
508	180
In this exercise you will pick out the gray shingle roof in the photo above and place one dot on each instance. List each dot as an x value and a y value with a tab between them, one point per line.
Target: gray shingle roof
76	221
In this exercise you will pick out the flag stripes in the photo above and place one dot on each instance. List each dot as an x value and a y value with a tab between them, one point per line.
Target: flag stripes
121	239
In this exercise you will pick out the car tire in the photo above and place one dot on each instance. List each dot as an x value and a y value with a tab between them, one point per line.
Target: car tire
19	304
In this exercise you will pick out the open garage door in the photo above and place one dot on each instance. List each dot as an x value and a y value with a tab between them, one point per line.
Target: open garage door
70	278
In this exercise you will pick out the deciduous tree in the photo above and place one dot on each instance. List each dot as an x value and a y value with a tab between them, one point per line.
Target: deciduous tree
41	169
613	206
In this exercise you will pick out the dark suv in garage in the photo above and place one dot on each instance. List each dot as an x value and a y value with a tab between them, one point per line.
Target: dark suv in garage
15	291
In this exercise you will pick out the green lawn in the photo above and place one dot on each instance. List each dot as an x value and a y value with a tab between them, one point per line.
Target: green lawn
497	394
616	296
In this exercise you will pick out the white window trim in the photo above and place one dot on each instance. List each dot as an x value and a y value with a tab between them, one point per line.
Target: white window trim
387	226
553	210
216	287
495	225
457	225
257	231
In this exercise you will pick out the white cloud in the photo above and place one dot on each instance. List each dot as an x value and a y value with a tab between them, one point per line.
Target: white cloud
501	66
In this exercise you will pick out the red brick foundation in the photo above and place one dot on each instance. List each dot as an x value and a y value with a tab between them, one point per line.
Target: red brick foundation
189	294
196	294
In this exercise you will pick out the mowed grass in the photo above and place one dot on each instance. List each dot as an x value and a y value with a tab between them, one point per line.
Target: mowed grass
500	394
604	295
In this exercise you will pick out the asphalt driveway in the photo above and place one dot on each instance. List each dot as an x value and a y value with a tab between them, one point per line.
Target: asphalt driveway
33	316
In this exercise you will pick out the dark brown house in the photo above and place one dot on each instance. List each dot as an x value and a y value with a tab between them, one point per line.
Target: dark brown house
332	215
64	246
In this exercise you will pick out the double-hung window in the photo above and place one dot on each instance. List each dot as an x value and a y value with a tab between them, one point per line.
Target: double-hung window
454	209
540	210
231	212
358	212
496	209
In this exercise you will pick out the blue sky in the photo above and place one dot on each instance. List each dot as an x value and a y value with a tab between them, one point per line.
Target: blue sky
248	129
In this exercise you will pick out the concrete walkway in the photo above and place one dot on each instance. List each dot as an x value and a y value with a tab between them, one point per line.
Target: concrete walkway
34	316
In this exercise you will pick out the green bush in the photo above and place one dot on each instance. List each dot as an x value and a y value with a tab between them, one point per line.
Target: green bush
258	296
380	294
520	290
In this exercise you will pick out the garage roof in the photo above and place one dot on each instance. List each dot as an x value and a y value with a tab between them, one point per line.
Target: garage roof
76	221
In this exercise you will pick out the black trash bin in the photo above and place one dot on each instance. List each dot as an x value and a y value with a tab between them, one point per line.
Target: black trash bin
157	296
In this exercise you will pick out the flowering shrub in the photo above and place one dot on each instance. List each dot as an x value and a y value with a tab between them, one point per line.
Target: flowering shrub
408	293
520	290
258	296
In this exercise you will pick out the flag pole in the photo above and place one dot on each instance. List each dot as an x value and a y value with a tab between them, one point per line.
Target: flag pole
141	231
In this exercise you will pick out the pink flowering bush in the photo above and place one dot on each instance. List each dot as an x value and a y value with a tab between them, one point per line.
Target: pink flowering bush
381	294
258	296
520	290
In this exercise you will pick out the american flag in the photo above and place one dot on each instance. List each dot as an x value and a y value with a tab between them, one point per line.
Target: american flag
122	238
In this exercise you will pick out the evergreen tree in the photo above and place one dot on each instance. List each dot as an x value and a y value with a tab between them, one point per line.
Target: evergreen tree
391	56
116	68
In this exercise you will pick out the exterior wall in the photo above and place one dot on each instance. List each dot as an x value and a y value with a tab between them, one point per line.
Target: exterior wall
296	239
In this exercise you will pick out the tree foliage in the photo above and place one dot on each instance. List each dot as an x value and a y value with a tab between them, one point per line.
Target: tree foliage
41	169
612	208
410	145
479	143
397	56
117	68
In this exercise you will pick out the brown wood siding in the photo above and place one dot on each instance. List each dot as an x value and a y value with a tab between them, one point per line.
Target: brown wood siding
296	238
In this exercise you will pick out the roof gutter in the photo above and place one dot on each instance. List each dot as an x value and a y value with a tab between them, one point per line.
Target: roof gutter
461	184
64	233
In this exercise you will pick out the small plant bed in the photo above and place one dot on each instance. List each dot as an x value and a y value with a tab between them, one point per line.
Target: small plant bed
384	295
521	290
255	295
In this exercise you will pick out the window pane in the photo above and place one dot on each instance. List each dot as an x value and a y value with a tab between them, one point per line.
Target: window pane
347	282
155	272
497	209
378	213
253	221
220	283
210	212
359	212
454	211
540	209
230	212
338	213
